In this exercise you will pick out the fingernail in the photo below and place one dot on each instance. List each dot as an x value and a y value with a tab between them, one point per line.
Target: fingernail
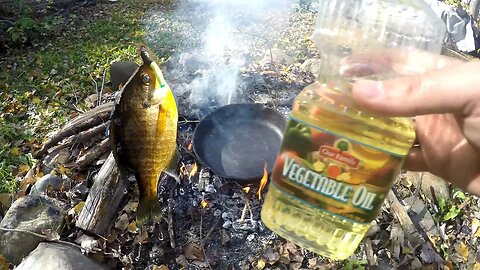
368	89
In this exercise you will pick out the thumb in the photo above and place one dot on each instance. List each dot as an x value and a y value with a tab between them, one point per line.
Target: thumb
446	90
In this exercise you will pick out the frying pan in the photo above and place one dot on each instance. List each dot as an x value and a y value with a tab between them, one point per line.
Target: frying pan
236	140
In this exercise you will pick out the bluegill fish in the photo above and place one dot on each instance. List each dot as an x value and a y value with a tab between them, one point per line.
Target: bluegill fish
144	132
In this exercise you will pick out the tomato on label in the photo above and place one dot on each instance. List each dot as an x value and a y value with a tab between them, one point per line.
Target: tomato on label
321	138
280	162
333	171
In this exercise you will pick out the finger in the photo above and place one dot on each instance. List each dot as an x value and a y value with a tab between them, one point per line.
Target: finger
438	91
415	160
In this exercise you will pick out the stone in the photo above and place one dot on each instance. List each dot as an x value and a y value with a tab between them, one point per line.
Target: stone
49	182
54	256
431	185
32	213
311	65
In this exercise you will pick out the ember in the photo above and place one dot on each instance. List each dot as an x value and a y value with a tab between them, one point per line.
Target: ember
203	203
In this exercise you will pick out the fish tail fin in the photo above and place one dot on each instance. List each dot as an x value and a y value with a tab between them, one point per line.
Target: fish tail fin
148	210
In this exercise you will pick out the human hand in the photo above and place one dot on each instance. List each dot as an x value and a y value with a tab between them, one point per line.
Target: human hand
444	96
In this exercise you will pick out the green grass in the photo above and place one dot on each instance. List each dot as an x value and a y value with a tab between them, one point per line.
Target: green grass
58	72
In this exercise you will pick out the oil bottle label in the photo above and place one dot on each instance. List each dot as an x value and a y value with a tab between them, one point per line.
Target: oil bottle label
331	172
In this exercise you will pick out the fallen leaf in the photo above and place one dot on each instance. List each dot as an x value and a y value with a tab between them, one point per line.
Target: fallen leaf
462	249
4	264
193	252
476	266
76	209
122	222
271	256
132	227
6	200
312	262
260	264
181	260
23	168
224	237
142	237
87	243
475	226
130	207
113	236
449	265
416	264
62	170
161	267
295	265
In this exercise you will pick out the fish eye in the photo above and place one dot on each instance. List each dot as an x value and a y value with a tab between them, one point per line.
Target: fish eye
146	79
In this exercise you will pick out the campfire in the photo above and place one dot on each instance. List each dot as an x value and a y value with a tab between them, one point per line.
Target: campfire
209	220
205	216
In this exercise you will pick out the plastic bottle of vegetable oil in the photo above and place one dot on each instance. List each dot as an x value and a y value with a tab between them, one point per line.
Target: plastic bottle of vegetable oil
337	162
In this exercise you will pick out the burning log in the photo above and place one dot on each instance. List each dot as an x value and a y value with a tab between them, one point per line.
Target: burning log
105	196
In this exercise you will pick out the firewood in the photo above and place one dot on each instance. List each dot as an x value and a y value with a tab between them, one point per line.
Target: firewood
92	154
103	200
85	121
81	137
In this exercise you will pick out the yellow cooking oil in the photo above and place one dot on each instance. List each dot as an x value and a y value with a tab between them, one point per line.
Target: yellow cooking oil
337	162
335	167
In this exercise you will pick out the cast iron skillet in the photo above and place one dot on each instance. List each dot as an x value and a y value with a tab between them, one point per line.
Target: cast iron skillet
235	140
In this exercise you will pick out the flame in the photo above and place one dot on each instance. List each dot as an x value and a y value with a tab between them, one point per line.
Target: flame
204	203
263	181
193	171
182	169
246	189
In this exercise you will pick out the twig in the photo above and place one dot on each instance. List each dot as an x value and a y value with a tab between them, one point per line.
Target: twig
171	232
68	107
215	225
372	261
99	97
244	212
402	216
201	242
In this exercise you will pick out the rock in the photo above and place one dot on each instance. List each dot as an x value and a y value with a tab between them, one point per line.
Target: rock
432	186
53	256
311	65
278	56
49	182
32	213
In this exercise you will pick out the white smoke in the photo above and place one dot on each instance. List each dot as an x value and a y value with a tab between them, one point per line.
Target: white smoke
227	40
